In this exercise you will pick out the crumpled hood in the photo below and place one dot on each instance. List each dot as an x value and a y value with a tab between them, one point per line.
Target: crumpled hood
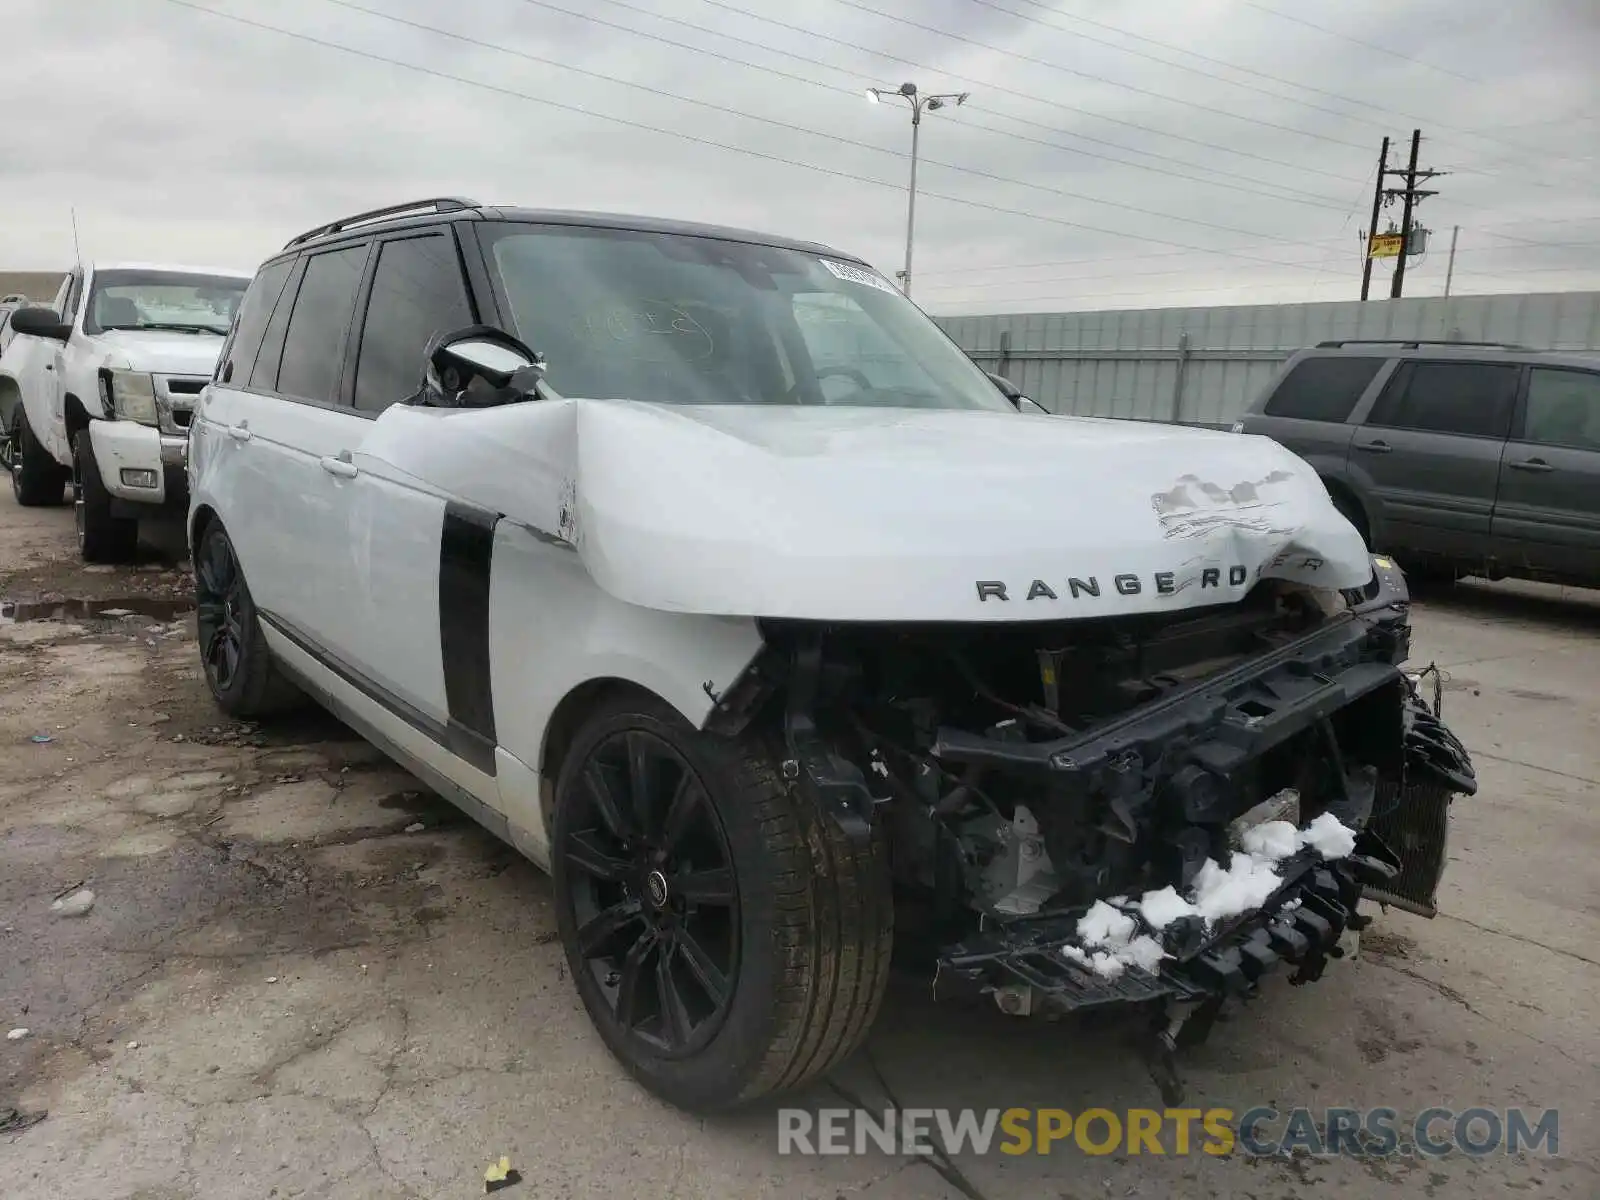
159	351
838	513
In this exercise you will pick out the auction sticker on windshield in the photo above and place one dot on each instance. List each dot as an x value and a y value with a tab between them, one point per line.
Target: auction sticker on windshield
853	274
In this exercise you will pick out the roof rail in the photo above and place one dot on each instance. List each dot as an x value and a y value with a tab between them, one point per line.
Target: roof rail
437	204
1417	343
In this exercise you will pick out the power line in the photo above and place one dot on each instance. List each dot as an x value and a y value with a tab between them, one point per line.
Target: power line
688	137
986	85
1344	37
793	128
1221	112
1383	111
1230	180
1320	264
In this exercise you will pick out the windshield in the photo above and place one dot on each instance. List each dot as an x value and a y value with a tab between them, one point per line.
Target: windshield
174	300
620	314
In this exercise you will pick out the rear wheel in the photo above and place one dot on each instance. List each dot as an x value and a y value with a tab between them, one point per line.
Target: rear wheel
36	478
102	537
243	676
726	937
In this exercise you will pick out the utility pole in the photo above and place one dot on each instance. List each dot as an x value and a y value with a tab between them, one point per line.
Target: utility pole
1410	194
1372	228
1450	271
1405	218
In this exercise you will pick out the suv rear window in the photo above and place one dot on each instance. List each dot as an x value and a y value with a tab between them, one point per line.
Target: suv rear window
1468	398
322	310
1323	389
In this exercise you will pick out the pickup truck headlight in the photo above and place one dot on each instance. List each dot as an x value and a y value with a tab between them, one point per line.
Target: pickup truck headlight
131	395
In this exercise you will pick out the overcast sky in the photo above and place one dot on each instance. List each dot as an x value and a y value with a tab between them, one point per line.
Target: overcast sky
1113	153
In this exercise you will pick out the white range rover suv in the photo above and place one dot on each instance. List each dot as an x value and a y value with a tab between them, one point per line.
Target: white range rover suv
702	567
98	388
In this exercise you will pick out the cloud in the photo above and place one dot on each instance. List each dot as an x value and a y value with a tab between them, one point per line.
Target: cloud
181	135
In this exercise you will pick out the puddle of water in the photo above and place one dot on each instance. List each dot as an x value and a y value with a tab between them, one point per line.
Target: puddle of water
15	611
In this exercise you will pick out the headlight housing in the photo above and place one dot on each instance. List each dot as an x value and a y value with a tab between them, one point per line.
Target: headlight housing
130	394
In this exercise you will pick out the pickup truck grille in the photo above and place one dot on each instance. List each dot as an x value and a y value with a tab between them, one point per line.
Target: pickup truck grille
175	399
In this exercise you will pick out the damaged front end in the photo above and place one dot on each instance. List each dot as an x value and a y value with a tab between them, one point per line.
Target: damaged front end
1144	809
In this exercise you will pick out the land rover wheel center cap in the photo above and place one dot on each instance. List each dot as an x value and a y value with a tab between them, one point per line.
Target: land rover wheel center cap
655	885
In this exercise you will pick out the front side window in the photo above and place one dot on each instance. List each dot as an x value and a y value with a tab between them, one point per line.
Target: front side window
173	300
239	354
680	319
1563	408
417	292
1468	398
313	346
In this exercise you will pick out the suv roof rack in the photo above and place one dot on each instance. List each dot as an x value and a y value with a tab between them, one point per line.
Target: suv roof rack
1417	343
437	204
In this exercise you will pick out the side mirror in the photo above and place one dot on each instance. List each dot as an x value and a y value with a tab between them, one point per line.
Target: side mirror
40	322
479	367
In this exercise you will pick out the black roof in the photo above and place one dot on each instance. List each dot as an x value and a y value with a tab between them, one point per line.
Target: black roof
426	212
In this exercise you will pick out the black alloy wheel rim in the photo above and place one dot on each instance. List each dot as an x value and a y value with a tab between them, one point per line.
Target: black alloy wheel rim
218	597
649	877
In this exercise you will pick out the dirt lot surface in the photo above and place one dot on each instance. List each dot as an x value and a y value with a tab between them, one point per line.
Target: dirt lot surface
303	976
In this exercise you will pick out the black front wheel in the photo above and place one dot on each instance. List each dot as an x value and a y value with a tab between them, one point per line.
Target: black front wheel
102	536
726	937
243	676
36	478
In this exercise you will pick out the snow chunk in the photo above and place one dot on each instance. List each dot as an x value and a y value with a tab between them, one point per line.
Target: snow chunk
1245	885
1103	924
1271	840
1329	836
1113	935
1145	952
1161	908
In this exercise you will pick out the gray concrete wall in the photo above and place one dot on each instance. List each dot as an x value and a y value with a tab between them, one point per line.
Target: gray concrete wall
1203	365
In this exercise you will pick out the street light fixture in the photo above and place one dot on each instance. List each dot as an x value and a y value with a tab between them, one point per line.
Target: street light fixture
919	103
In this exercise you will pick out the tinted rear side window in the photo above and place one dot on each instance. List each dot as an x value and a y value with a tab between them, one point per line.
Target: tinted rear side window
1563	408
1466	398
312	350
254	311
1323	389
417	292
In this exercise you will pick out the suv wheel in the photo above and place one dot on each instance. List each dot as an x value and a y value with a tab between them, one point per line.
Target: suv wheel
726	937
243	676
102	537
36	478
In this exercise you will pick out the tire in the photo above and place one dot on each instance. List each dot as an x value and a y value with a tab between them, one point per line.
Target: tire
37	480
804	939
102	538
244	678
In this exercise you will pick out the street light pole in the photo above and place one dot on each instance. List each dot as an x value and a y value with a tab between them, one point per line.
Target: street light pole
919	103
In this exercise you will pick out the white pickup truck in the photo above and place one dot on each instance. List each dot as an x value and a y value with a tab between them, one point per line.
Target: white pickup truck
98	388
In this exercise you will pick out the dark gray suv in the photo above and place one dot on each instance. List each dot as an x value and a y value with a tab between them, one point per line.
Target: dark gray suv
1457	458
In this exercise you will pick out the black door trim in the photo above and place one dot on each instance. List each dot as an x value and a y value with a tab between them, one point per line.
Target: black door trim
466	744
466	552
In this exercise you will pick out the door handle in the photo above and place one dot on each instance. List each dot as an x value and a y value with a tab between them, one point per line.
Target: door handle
49	366
1531	464
240	432
1378	447
341	466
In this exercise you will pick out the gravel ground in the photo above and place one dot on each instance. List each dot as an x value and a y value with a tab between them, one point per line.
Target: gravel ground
279	991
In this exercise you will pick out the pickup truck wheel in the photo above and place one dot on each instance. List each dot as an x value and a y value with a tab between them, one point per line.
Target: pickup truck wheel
726	937
243	676
102	538
36	478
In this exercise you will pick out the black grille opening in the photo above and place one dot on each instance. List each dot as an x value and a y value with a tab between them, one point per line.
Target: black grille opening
185	387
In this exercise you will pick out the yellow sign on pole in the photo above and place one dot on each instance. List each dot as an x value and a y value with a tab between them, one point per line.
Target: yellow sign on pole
1386	245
